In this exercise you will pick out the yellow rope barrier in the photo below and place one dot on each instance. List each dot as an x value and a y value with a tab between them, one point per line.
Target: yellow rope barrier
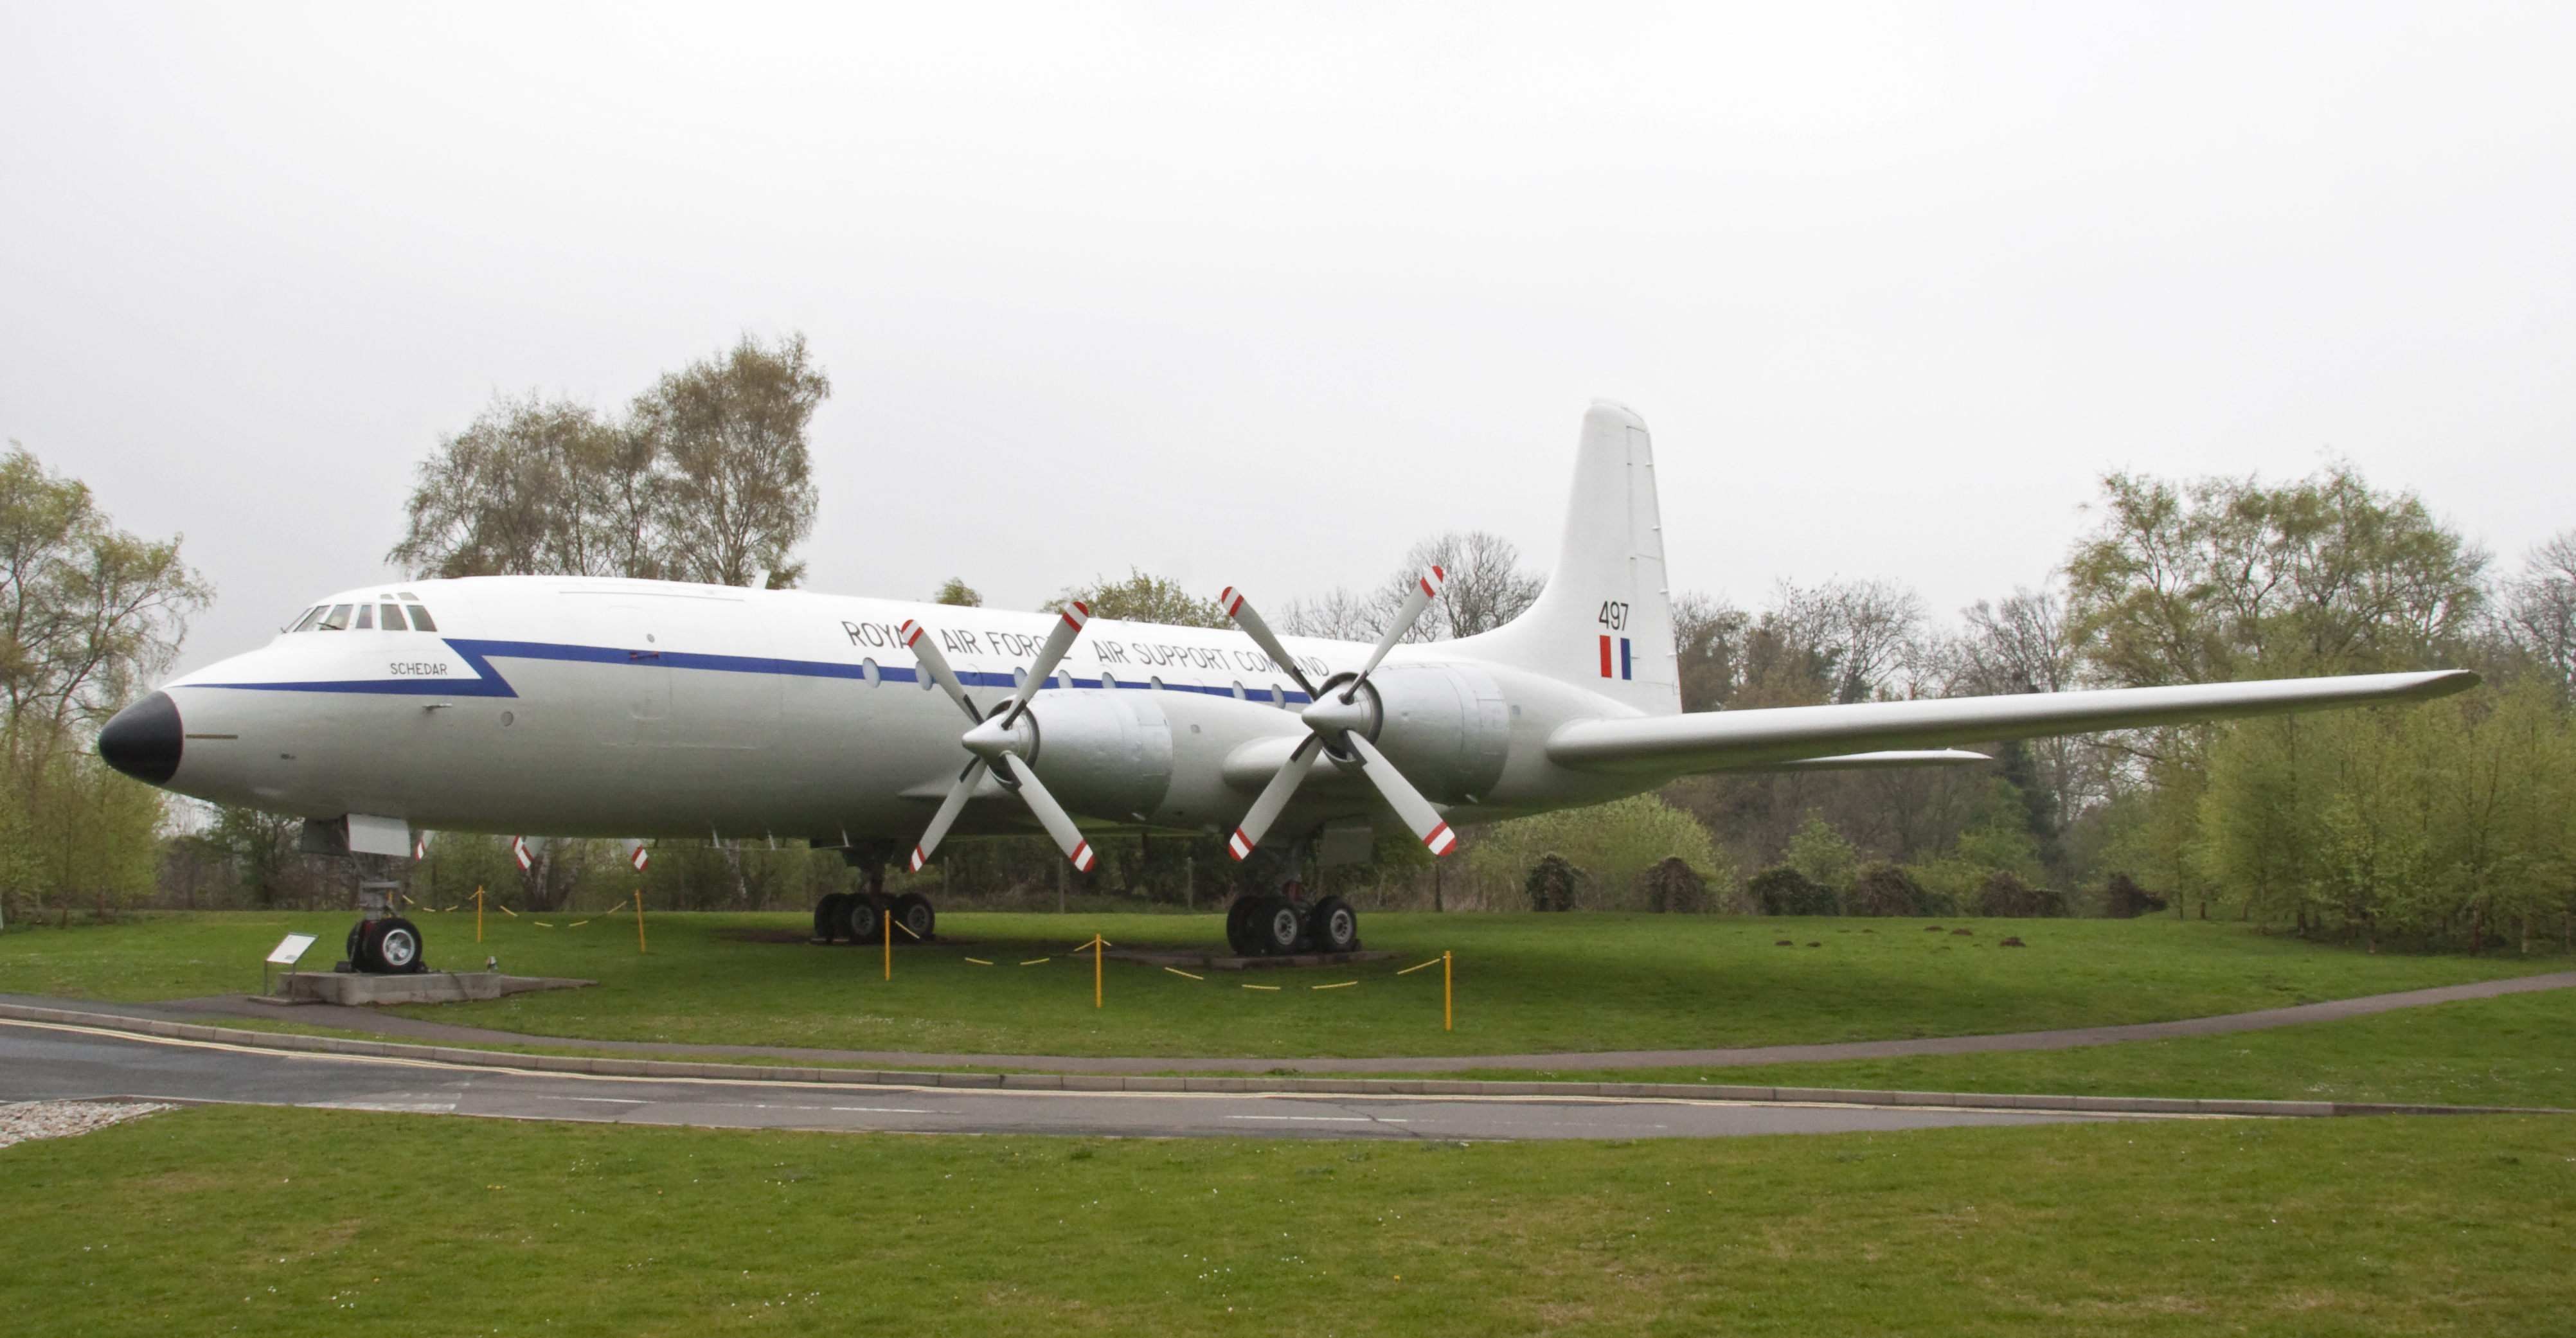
1179	972
1262	987
1035	960
1411	969
1343	986
981	962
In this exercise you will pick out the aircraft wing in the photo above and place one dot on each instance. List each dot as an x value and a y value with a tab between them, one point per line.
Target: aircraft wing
1677	745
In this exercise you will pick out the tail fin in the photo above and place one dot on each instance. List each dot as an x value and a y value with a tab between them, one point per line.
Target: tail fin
1605	621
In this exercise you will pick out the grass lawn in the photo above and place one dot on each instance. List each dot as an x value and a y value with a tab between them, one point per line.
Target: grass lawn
1526	983
2512	1051
292	1221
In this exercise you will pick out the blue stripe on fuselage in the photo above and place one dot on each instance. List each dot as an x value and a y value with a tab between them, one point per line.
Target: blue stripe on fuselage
488	681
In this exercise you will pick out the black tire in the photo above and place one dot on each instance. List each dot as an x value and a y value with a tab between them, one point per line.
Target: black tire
357	941
1278	925
1334	926
1238	939
913	912
863	920
832	916
396	945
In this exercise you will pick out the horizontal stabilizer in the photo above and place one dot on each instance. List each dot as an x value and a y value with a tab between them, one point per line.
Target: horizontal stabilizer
1676	745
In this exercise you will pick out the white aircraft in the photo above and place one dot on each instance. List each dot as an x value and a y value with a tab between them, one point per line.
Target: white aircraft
582	706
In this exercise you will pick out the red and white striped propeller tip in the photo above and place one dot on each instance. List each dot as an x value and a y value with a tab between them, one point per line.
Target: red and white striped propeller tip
918	859
1077	613
1230	601
1433	580
1441	840
908	633
1082	857
1240	848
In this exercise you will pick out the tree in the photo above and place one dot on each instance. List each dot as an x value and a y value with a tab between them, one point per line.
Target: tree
738	495
1485	588
1674	887
1707	636
1144	599
956	593
2219	579
89	615
706	479
535	487
2538	617
1885	889
1612	844
1782	890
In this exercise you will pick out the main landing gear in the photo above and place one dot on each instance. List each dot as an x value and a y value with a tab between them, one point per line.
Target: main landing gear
867	917
1284	923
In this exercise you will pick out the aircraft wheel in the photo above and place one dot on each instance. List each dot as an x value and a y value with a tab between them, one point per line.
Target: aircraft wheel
386	947
1277	926
1336	926
864	919
1238	938
357	938
913	911
397	947
831	916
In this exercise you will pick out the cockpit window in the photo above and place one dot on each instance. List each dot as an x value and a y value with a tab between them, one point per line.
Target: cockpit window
337	620
394	619
420	620
366	617
310	615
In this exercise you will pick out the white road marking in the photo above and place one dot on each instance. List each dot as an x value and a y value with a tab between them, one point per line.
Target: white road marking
1322	1119
612	1100
887	1110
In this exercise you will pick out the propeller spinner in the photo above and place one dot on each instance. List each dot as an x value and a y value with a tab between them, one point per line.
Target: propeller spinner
1338	720
1002	742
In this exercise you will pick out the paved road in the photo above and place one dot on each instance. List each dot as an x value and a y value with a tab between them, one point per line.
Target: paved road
41	1061
448	1033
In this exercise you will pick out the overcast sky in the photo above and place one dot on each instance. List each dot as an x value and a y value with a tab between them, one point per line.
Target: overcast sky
1261	297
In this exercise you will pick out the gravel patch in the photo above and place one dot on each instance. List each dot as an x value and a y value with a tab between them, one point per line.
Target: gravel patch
22	1120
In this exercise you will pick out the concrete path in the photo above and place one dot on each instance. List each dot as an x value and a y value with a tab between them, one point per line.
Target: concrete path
414	1029
43	1061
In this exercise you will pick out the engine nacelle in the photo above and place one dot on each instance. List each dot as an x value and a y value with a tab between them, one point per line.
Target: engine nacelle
1103	753
1447	727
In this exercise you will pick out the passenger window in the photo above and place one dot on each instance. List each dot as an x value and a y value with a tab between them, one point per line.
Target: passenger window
393	618
1238	690
337	620
366	617
868	671
420	620
1108	679
1278	698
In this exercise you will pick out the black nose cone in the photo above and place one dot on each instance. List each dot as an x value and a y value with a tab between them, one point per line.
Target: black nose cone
143	740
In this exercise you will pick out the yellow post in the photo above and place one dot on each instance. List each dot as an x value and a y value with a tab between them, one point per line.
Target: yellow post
885	930
1096	946
478	915
1448	1019
639	921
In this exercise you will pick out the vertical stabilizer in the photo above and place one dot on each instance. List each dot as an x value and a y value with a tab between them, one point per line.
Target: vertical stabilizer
1605	621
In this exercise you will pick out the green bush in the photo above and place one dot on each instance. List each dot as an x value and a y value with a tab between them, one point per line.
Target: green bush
2007	897
1551	883
1674	886
1782	890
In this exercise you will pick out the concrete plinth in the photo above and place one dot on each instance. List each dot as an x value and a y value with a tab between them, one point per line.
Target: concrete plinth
423	987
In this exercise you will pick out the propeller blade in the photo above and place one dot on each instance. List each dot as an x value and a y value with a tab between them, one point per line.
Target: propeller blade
1237	608
1058	641
946	817
1275	796
1051	814
917	639
1425	589
1407	802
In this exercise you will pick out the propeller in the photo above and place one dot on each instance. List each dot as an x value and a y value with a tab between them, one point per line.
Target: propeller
1339	719
1002	741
